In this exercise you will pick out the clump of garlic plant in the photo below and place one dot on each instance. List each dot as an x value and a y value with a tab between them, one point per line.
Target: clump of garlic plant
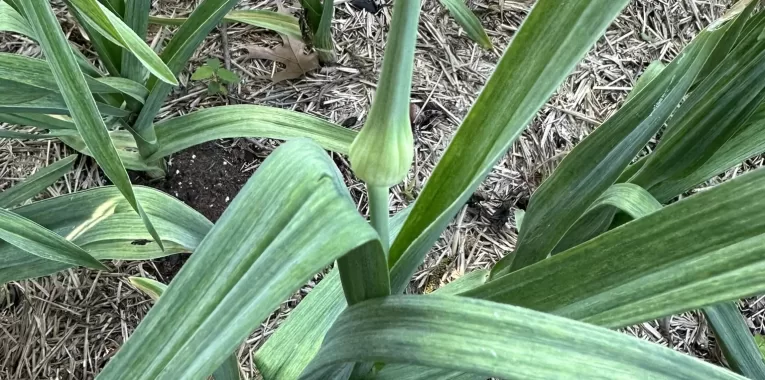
111	117
602	244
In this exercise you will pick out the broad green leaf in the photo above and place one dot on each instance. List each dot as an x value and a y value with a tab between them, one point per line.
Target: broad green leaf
12	21
115	30
557	34
711	115
126	148
36	183
37	120
292	218
229	370
37	240
121	85
36	73
626	197
176	54
80	102
109	53
197	127
103	223
136	17
596	163
650	73
629	198
278	22
297	340
468	21
411	372
21	98
364	273
203	72
703	250
736	340
739	14
748	142
496	340
32	136
227	76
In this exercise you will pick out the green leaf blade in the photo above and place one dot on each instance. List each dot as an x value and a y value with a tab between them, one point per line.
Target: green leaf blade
41	242
736	340
495	340
197	127
596	163
37	182
102	222
662	263
80	102
468	21
304	221
176	54
554	32
113	28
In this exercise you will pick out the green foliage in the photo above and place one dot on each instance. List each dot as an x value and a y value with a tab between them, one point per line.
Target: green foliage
597	248
216	76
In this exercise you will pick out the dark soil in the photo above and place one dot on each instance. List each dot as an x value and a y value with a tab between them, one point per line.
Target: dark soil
206	177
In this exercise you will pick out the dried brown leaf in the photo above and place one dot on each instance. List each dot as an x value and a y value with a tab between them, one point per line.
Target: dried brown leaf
291	54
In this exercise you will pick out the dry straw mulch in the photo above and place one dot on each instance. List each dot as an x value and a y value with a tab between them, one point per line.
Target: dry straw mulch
68	325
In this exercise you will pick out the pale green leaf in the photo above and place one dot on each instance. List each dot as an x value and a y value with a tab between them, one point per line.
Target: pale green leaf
712	114
292	218
12	21
41	121
496	340
650	73
700	251
152	288
39	241
286	353
596	163
468	21
278	22
213	63
629	198
103	223
126	148
176	54
136	17
80	102
556	34
115	30
229	370
736	340
209	124
36	183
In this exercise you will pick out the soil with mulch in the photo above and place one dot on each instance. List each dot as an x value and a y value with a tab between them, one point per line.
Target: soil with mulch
206	177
